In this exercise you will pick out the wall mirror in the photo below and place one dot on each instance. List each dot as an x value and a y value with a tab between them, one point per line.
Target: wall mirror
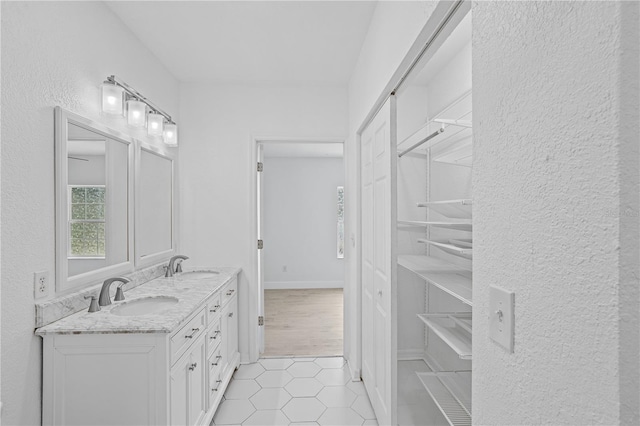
94	202
155	199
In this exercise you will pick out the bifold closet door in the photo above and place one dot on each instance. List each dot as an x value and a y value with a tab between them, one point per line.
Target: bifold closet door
379	268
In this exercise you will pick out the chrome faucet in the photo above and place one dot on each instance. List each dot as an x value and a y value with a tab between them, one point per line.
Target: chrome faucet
171	269
105	297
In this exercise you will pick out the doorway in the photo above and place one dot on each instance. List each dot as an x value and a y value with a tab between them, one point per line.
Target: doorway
300	223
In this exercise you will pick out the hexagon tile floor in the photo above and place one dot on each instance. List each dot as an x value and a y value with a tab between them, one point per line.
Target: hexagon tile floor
295	391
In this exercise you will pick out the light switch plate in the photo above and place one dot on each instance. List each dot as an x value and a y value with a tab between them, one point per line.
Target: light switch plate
501	317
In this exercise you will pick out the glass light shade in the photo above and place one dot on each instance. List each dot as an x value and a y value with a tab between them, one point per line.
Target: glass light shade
136	113
112	96
155	124
171	134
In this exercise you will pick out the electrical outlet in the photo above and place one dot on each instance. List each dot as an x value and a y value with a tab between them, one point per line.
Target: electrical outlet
41	284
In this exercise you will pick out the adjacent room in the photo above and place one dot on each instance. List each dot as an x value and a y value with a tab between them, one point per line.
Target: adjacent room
302	229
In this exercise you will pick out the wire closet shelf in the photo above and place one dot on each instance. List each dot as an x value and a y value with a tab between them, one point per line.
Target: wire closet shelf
445	131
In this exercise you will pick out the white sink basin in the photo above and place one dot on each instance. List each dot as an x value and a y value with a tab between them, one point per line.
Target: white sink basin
197	275
144	306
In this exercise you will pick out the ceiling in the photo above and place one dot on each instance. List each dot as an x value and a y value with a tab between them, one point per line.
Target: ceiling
288	42
303	149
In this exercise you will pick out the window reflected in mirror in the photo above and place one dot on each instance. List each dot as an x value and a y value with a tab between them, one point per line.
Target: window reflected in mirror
86	225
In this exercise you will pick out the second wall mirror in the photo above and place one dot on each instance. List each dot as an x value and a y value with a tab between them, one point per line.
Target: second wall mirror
155	210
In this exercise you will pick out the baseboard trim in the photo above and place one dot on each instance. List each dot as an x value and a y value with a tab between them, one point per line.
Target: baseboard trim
355	373
292	285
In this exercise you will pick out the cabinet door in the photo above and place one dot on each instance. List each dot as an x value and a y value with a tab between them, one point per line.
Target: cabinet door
105	379
229	327
232	329
197	381
188	393
180	391
224	344
378	217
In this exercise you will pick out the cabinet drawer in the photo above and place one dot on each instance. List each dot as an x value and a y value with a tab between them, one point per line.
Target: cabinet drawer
181	340
213	308
215	376
215	387
215	363
214	336
229	291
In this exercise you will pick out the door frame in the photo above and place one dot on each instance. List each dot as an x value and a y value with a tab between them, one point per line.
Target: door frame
254	275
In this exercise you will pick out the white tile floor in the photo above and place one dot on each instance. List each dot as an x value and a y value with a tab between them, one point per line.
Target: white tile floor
295	391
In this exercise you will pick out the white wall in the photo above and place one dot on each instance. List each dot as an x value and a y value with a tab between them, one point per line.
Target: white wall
393	29
555	183
89	172
216	171
300	217
53	53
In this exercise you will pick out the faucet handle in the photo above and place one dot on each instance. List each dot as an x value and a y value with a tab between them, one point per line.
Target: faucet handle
93	306
119	293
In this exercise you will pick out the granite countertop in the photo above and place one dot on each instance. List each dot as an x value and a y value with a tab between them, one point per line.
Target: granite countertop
191	295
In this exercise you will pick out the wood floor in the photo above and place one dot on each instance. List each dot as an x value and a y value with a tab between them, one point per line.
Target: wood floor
303	322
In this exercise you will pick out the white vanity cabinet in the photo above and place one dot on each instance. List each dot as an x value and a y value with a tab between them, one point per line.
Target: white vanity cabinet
229	324
144	378
188	380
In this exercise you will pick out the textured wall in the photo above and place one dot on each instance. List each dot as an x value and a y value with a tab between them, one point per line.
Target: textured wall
548	188
53	53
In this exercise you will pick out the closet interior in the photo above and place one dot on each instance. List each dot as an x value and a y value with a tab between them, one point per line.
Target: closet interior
434	233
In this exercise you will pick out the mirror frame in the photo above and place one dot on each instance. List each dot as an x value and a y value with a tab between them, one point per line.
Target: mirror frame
64	283
154	258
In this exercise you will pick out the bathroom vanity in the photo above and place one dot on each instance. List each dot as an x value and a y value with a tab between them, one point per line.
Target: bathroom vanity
163	356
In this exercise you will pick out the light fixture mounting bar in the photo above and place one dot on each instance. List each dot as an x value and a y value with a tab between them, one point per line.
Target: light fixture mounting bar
133	92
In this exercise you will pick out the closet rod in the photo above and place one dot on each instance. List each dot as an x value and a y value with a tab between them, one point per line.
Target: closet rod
417	144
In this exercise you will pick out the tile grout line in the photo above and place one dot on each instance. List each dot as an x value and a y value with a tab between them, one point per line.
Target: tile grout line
341	386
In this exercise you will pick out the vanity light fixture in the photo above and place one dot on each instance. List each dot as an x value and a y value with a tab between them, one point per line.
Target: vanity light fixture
140	111
155	124
112	96
136	113
171	134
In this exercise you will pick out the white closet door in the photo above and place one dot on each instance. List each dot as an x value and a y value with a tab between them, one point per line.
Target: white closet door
379	267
